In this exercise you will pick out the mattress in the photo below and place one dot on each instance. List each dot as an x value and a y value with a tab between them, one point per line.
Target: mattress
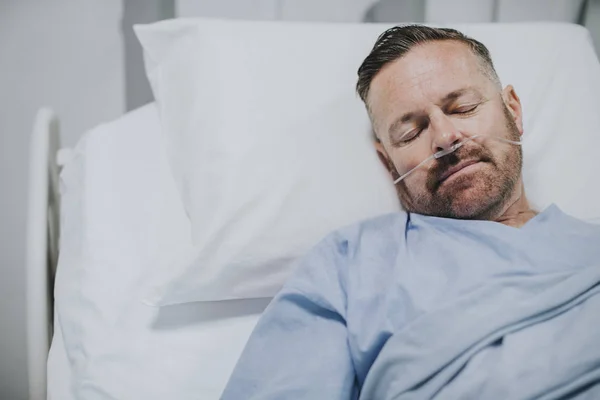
121	214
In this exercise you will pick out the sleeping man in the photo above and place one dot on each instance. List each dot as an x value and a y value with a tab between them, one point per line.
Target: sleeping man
470	293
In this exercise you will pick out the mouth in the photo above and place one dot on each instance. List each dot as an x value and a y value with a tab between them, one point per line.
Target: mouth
456	169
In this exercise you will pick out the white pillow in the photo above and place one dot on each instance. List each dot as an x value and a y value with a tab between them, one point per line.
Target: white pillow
271	151
271	148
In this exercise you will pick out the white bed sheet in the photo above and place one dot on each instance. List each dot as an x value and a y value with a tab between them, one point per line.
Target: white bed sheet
122	214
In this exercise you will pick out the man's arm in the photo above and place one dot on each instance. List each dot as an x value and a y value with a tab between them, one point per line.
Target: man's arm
299	349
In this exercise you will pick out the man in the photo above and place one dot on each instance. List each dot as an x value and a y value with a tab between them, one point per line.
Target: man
470	294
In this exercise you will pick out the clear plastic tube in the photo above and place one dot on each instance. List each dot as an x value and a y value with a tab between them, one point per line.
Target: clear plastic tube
452	149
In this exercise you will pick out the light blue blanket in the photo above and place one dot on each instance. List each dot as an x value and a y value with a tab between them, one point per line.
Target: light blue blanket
532	337
412	307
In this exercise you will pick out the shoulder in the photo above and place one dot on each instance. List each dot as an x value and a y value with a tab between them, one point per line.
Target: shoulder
325	268
372	233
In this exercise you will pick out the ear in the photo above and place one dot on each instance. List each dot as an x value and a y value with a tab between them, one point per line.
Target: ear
385	160
513	103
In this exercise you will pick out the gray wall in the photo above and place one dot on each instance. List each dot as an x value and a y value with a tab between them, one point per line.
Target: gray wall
289	10
81	58
592	22
63	53
137	88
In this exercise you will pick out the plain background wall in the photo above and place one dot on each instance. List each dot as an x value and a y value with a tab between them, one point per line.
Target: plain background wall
592	22
69	54
137	87
289	10
66	54
502	10
355	10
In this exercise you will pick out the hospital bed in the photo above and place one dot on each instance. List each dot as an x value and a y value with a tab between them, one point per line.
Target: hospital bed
99	214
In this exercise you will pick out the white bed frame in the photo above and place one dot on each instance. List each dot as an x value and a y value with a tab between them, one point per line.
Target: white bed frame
42	246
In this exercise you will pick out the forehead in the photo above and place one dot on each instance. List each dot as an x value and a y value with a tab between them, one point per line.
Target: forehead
427	72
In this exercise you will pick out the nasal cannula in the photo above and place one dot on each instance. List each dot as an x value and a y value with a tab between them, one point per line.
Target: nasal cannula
452	149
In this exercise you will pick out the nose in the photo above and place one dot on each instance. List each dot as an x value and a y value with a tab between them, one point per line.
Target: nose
445	133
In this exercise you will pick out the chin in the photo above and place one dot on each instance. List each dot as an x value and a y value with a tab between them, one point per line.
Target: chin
475	203
472	210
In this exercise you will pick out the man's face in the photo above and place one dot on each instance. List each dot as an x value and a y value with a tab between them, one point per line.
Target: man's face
435	96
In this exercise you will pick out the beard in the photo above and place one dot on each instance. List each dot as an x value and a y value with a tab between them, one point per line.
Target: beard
478	195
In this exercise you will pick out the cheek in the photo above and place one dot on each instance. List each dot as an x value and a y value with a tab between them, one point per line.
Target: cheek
510	159
412	192
491	122
477	125
407	158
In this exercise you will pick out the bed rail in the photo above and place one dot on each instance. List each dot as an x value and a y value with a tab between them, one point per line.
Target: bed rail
42	246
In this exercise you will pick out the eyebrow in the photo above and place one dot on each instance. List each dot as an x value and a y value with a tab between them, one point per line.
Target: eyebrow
448	98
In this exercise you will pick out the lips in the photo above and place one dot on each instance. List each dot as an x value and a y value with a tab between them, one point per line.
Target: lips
456	168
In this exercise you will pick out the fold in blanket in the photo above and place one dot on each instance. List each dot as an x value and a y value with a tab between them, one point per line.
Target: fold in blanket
518	337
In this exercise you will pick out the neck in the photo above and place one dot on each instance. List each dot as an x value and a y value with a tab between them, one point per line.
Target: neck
518	211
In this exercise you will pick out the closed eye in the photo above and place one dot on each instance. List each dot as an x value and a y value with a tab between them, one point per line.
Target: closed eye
465	109
409	136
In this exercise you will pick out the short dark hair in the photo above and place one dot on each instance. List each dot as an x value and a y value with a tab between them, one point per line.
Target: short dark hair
397	41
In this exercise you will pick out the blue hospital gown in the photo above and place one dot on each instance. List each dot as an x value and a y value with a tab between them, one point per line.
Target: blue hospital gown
322	333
